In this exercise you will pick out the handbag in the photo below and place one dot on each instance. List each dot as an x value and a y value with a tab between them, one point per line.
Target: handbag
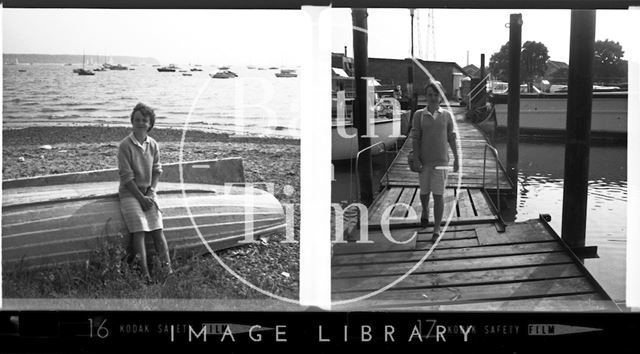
413	163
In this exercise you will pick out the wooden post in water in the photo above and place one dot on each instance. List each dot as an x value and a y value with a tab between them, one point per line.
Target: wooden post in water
361	63
412	90
483	97
579	99
513	106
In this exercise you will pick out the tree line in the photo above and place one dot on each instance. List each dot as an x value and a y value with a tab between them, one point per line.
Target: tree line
534	61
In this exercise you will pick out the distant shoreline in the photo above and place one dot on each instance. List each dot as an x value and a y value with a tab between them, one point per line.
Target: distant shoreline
173	133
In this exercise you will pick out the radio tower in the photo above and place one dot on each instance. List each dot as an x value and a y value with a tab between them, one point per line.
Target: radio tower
431	36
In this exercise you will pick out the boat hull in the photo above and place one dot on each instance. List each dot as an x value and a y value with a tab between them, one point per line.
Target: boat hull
548	114
44	226
345	148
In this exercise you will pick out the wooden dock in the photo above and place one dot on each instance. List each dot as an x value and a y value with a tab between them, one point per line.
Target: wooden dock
473	266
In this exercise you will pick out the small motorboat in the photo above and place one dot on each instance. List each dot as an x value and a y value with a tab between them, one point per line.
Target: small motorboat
118	67
224	74
168	69
287	73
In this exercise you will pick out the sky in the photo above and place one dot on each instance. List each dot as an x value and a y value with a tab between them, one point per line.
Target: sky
272	37
457	31
260	37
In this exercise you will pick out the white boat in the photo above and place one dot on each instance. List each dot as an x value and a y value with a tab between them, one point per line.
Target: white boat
60	219
287	73
347	148
344	141
547	113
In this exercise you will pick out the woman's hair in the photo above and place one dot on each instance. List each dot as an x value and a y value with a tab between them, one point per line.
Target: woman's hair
434	85
145	111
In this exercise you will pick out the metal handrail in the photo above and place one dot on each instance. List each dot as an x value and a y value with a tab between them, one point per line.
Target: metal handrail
384	146
484	165
485	79
479	83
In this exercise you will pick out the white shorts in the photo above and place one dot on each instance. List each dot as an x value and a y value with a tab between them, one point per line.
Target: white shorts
432	180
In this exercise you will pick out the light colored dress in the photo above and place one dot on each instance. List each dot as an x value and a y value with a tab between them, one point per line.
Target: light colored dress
138	162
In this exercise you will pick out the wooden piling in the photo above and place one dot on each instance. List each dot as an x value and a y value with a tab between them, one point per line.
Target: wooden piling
579	99
482	99
513	108
361	63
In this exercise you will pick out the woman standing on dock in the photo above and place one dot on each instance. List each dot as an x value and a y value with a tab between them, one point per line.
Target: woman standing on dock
432	130
139	168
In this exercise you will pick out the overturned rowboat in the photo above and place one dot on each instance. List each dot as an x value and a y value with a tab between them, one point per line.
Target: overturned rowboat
64	218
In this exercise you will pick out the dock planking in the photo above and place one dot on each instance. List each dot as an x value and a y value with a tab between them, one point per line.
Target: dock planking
467	206
473	266
488	276
471	152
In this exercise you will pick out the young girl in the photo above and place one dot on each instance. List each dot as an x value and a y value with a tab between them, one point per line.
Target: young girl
140	170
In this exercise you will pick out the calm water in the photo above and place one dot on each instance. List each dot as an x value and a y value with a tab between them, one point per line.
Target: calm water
540	192
255	103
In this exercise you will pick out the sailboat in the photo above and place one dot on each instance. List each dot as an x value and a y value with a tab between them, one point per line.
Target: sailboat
83	71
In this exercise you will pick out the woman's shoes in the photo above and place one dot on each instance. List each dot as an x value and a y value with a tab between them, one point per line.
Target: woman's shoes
424	222
435	236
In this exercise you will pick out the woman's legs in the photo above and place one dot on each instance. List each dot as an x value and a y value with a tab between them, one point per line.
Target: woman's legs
438	210
160	242
424	218
141	252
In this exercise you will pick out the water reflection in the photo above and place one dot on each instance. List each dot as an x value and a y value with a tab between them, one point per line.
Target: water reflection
540	191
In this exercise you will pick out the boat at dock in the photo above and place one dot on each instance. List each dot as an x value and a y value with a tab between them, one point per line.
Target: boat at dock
61	219
385	127
224	74
546	113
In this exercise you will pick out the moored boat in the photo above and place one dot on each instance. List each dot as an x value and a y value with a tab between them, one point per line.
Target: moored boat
287	73
387	128
84	72
546	113
224	74
168	69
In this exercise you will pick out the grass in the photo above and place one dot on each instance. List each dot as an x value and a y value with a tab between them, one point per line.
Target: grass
106	274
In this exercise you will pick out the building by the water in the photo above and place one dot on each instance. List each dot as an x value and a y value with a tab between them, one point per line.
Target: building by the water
394	72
